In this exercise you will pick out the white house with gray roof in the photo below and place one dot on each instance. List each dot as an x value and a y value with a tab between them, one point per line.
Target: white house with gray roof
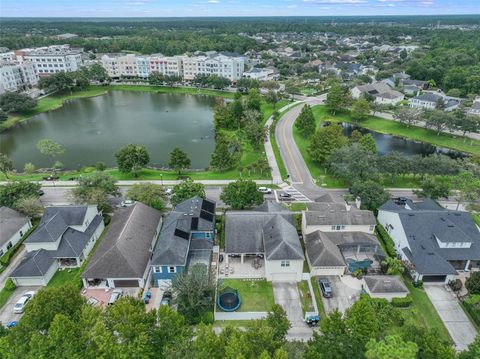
436	242
64	238
13	226
266	233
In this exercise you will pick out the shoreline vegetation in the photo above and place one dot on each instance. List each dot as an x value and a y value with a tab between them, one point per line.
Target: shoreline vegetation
52	102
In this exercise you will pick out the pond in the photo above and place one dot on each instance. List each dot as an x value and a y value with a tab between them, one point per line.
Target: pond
93	129
388	143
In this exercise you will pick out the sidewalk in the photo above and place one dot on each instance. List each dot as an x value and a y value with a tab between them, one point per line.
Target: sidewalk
11	266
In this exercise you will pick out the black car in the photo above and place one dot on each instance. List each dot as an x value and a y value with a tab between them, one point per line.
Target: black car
325	287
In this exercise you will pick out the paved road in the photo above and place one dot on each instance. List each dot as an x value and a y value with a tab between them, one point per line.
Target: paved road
6	313
286	294
458	325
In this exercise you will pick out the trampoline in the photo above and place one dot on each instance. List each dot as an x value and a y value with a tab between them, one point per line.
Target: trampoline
229	300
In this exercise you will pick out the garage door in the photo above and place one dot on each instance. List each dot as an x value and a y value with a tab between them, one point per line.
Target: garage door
26	282
126	283
284	277
434	278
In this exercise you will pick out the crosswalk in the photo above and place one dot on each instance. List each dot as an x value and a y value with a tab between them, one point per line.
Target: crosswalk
297	196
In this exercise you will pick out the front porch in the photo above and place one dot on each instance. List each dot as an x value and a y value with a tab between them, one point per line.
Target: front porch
242	266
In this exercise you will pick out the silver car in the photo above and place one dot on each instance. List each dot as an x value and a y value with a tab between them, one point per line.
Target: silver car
116	295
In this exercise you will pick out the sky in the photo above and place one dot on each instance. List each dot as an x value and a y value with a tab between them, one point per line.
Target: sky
181	8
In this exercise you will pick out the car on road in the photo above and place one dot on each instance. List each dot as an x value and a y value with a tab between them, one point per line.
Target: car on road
127	203
284	195
22	302
325	287
116	295
264	190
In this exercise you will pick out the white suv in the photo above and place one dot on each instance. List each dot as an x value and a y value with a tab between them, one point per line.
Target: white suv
22	302
264	190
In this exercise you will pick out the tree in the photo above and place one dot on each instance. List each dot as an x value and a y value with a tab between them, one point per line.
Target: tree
433	188
430	345
407	115
360	109
465	123
473	351
13	102
29	206
16	190
179	160
192	291
438	120
29	168
256	134
3	115
241	194
6	165
305	122
393	164
186	190
50	148
394	266
60	82
97	72
254	100
368	143
272	98
95	189
469	188
338	98
132	158
355	136
473	283
392	347
325	141
371	193
151	194
222	159
353	163
278	321
156	78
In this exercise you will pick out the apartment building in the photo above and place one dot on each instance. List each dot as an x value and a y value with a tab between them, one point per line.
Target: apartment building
172	66
15	76
52	59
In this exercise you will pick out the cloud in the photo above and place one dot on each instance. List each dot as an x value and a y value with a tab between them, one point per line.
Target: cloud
334	2
213	1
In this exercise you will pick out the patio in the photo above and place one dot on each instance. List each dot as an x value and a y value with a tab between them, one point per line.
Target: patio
99	297
360	256
233	267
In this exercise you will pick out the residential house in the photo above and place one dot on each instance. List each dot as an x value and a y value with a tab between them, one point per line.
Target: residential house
474	110
261	74
64	238
436	242
264	236
13	226
186	239
382	93
430	101
122	259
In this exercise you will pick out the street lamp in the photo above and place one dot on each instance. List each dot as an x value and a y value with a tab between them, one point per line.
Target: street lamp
161	178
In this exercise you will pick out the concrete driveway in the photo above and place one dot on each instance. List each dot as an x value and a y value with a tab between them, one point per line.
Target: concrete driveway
343	297
286	294
6	313
458	325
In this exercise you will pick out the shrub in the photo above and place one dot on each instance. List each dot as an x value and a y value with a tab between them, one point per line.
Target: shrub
106	219
100	166
455	285
9	285
402	302
207	318
418	284
386	240
473	283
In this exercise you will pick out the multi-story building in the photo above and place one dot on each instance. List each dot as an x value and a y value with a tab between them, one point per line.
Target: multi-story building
230	67
52	59
171	66
15	76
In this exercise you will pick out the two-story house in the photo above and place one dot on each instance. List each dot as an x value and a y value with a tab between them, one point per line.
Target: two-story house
13	226
186	238
64	238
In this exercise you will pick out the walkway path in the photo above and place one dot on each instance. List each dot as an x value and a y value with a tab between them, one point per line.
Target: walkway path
11	266
456	321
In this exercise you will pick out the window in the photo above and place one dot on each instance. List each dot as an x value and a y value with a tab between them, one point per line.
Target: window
172	270
9	245
372	227
157	269
285	264
21	233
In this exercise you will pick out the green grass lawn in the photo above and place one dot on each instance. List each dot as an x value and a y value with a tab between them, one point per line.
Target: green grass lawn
423	312
5	295
231	323
256	295
476	218
305	297
318	298
296	206
398	129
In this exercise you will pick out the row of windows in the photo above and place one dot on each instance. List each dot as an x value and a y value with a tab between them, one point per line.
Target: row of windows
171	269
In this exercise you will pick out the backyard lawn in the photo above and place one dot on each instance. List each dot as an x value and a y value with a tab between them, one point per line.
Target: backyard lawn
256	295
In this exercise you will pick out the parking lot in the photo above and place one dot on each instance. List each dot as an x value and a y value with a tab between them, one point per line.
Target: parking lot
344	295
6	313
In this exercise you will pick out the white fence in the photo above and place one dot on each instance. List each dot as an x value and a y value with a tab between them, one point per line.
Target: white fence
239	315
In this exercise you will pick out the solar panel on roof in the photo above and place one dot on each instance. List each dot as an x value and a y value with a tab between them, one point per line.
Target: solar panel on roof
194	223
181	234
208	206
206	216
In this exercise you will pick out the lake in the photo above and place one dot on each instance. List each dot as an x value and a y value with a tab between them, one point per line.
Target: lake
93	129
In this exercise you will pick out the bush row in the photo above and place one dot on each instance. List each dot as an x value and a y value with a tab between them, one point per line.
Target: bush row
387	241
402	302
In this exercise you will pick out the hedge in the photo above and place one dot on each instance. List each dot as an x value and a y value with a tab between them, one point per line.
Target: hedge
387	241
472	307
402	302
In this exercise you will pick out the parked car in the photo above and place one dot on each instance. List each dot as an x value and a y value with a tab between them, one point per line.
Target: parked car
116	295
167	298
127	203
11	324
325	287
22	302
284	195
264	190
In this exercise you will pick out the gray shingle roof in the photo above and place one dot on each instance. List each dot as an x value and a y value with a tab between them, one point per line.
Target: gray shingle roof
272	233
73	242
385	284
325	206
125	249
195	214
429	97
55	221
10	223
340	217
271	206
34	264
